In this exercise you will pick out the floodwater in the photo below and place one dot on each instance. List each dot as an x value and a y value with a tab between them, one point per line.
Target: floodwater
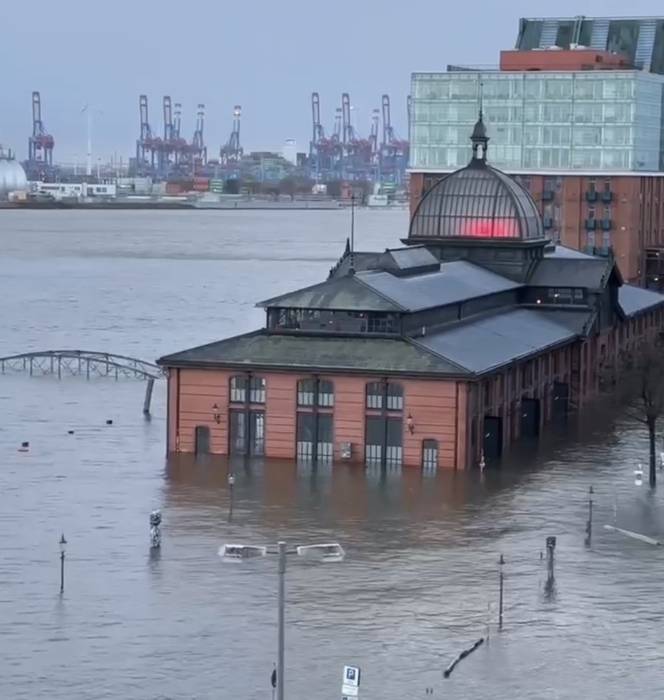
420	581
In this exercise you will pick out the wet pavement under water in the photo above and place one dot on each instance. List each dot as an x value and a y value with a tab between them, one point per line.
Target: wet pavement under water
420	581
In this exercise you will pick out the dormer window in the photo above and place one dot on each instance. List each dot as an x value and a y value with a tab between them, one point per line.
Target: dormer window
329	321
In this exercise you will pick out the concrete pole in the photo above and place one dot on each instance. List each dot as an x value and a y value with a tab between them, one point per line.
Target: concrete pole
282	596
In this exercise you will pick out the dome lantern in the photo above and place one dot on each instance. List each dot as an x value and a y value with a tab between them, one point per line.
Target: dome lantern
477	202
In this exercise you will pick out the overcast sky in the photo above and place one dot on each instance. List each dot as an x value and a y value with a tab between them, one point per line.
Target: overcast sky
266	55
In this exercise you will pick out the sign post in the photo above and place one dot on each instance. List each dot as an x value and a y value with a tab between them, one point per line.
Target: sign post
350	685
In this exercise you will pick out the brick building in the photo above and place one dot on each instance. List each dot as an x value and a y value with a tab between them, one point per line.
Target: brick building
477	333
575	114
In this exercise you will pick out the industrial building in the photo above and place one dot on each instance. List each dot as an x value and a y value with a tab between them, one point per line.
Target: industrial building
440	354
575	115
12	175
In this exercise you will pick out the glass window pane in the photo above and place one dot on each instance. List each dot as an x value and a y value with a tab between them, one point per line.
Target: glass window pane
325	393
305	392
394	397
238	432
374	395
238	389
257	390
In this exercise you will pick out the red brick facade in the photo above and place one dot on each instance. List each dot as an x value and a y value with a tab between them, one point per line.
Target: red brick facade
631	205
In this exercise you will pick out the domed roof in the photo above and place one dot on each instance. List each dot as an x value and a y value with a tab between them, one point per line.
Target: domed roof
477	201
12	176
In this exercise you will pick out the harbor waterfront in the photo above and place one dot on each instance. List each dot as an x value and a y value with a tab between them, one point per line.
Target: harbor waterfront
420	580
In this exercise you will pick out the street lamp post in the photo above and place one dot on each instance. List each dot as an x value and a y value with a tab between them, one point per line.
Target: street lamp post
63	544
321	552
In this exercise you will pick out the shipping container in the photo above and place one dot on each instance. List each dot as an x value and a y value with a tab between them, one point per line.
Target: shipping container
174	188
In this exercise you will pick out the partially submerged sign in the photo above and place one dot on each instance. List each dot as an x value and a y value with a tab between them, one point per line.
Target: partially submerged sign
350	685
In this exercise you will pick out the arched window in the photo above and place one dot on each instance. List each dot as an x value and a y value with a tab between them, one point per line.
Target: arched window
315	427
240	384
257	390
238	389
383	437
306	392
315	392
394	397
325	393
384	395
375	392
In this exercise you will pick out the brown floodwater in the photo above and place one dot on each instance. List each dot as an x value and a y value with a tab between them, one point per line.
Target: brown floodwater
420	580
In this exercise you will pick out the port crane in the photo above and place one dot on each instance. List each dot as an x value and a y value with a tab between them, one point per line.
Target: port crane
40	144
231	151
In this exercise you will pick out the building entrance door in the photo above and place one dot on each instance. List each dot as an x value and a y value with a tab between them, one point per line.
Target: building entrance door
247	433
429	456
493	438
202	440
530	417
560	400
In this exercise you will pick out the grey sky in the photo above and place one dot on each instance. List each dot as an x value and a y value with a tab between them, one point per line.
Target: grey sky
266	56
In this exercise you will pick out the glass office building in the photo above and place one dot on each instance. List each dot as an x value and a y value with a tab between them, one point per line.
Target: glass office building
539	121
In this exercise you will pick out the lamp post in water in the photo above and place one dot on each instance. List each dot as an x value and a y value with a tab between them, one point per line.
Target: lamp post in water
63	545
320	552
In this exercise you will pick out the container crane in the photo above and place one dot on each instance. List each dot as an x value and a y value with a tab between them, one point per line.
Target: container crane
198	149
393	151
177	119
324	152
231	151
40	143
146	144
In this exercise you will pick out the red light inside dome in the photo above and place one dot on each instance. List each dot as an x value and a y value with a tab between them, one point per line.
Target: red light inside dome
491	228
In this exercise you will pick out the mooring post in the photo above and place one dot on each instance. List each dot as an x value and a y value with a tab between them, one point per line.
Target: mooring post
550	549
589	524
501	562
148	396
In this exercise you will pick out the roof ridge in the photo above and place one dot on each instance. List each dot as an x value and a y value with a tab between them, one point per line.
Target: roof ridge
380	294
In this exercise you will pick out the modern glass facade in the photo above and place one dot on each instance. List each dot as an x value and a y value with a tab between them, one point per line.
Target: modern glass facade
590	120
640	39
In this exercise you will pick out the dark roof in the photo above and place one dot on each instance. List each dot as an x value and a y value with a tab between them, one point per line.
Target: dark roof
485	344
340	293
329	353
477	202
409	260
361	261
561	251
634	300
571	271
455	281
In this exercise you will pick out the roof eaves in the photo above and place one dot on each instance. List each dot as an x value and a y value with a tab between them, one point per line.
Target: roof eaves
166	360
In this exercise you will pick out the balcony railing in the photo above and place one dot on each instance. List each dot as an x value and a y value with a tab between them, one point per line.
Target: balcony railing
606	224
607	196
548	195
591	196
591	224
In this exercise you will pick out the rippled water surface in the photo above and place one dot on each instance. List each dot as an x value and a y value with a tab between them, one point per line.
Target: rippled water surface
420	581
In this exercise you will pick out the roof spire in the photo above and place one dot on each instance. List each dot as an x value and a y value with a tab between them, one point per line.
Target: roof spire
478	138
